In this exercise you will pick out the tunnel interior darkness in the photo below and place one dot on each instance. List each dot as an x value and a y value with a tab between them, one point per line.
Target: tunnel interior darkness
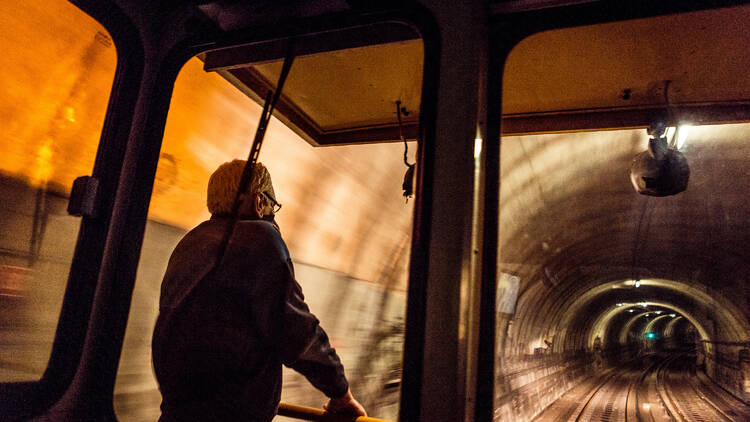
594	257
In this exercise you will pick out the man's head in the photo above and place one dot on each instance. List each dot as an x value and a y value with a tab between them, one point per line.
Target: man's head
258	202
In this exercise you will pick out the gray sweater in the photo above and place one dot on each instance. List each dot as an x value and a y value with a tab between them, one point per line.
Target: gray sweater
223	333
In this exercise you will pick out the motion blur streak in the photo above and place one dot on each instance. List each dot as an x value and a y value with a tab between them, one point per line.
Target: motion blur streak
56	71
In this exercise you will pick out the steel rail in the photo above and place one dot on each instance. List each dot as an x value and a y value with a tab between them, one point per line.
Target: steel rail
594	394
664	394
319	415
633	390
674	409
718	390
705	399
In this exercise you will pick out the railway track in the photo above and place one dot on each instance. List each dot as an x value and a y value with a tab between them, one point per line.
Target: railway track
667	390
692	399
606	402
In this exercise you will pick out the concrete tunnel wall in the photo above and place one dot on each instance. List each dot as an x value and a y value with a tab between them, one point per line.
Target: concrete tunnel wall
578	238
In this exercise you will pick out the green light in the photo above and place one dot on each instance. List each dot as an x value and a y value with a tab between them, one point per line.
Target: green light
650	335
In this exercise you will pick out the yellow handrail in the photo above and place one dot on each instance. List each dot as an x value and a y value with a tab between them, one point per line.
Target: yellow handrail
320	415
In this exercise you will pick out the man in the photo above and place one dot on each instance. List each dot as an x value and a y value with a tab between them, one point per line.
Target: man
224	329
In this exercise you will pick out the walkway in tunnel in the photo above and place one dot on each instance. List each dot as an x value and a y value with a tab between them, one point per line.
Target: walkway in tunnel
664	386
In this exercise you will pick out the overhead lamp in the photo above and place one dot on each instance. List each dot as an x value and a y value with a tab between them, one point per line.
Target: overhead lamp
661	170
682	134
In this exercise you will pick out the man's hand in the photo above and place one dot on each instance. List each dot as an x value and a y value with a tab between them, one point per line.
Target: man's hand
346	404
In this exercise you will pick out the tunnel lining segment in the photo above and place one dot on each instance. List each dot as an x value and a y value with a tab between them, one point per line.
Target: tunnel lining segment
728	316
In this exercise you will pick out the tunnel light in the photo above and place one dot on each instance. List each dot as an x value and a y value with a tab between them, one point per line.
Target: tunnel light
637	284
647	315
477	147
650	336
630	310
682	135
619	304
70	114
644	304
673	315
657	312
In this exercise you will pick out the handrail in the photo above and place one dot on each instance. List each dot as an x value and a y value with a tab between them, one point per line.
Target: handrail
319	415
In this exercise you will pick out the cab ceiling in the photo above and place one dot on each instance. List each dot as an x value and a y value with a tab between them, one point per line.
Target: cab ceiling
343	85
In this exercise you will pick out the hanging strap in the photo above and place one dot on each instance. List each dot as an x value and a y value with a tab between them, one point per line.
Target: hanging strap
248	172
407	185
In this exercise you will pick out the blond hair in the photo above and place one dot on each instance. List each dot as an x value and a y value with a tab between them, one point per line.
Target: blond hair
224	182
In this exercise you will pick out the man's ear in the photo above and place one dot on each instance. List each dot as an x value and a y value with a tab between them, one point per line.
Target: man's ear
258	205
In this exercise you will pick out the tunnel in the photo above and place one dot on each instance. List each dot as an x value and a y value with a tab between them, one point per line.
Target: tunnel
605	276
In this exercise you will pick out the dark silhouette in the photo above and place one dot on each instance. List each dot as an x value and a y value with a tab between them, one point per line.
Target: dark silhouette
224	329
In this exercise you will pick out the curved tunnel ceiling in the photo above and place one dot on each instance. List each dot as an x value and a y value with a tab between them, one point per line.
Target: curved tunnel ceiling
724	311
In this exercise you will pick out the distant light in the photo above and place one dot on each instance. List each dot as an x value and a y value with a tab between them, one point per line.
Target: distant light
630	310
477	147
657	312
650	335
647	315
637	284
682	135
619	304
70	114
673	315
644	304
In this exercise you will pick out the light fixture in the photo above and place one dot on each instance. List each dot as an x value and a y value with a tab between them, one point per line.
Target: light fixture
682	134
673	315
661	170
658	312
619	304
637	284
477	146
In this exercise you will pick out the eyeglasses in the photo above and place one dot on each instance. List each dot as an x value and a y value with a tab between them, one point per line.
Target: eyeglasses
276	205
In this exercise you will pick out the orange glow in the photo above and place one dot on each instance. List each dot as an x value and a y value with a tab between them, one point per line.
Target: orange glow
43	166
57	71
343	208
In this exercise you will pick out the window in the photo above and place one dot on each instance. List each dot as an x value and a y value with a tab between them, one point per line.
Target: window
57	70
344	220
592	274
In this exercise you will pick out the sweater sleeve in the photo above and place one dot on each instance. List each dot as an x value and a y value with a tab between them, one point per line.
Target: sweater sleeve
282	318
304	345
